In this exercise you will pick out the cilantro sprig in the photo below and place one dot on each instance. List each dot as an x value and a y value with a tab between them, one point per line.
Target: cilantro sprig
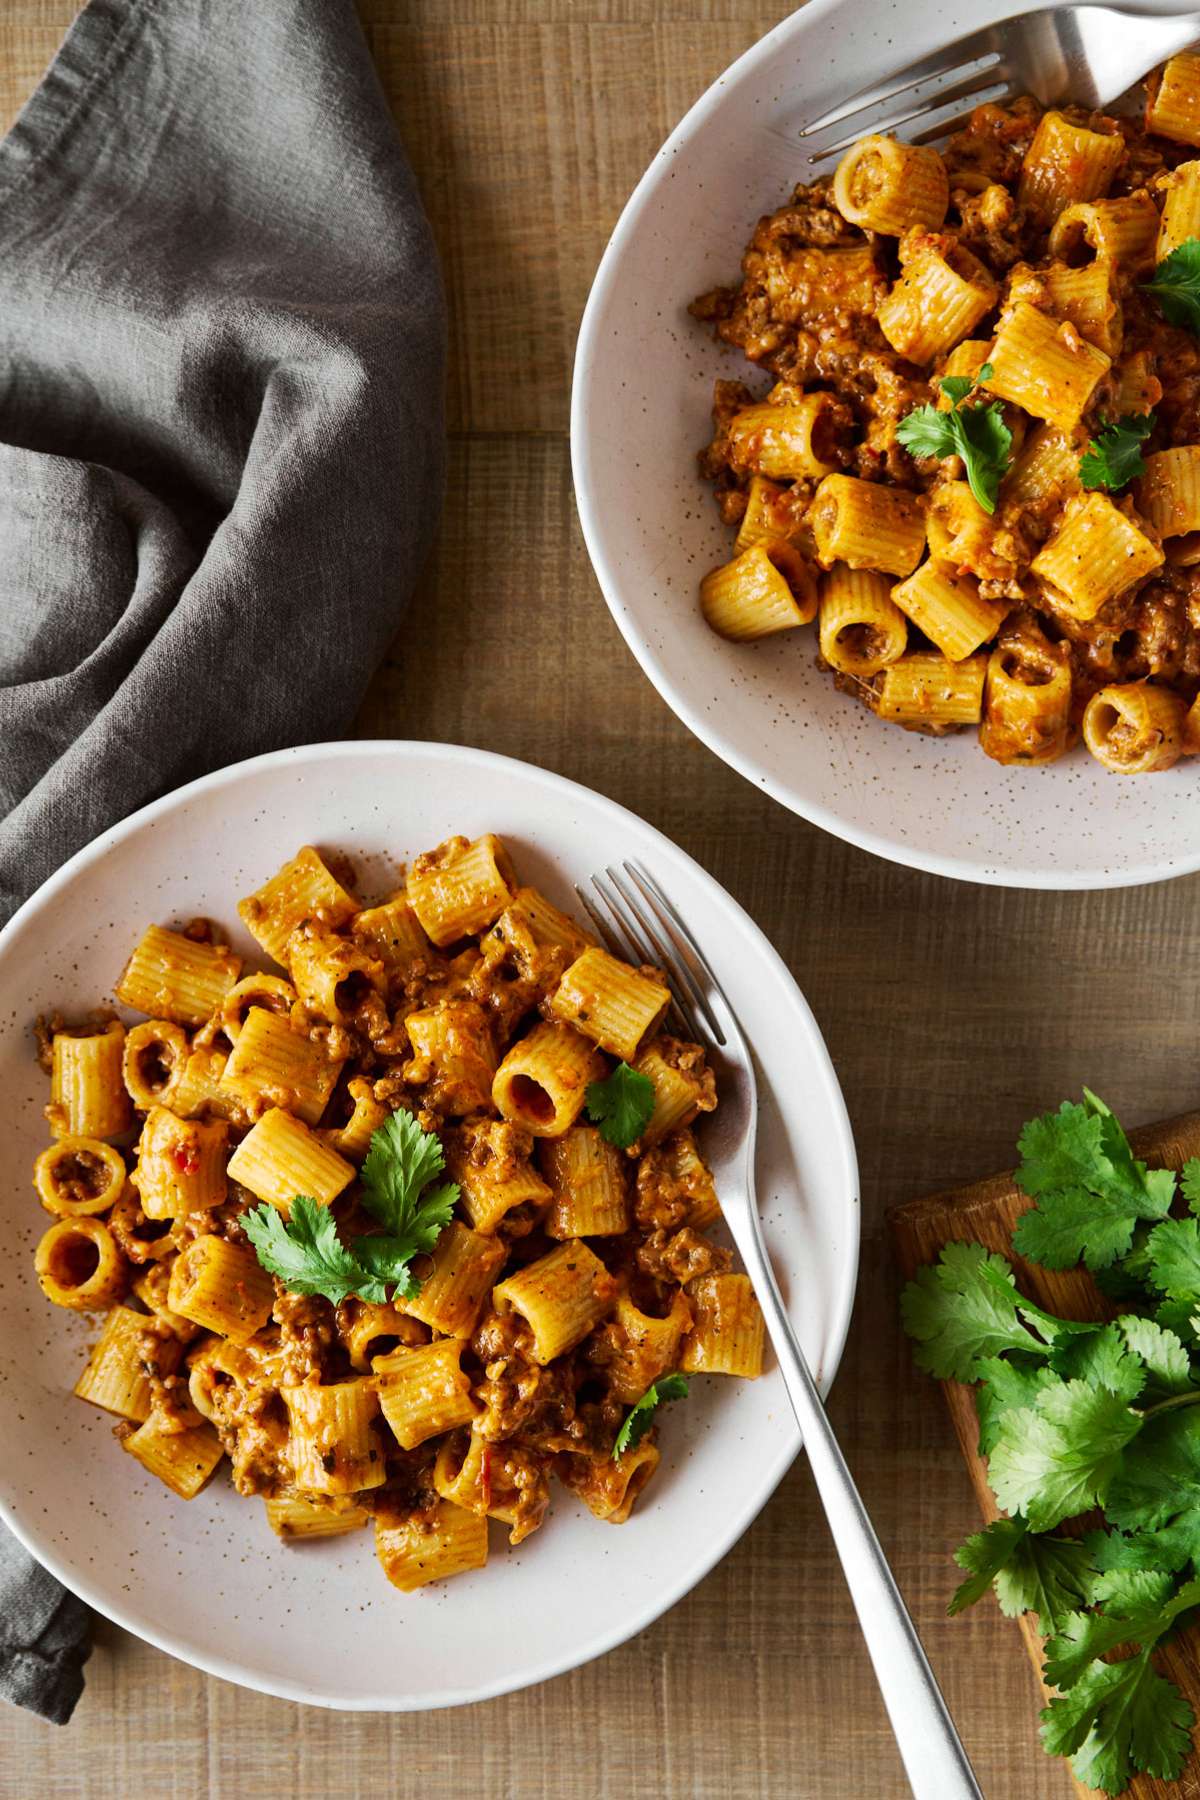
1176	286
976	432
306	1253
1114	457
1076	1414
621	1105
640	1416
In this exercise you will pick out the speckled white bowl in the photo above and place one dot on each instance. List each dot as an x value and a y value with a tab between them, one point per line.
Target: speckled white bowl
206	1580
640	411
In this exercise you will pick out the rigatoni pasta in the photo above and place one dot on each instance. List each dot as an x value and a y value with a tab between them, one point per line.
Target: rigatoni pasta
862	629
173	976
941	295
1097	553
370	1237
767	588
282	1157
1066	163
886	186
88	1096
867	526
273	1064
79	1265
78	1176
183	1460
607	1001
1173	107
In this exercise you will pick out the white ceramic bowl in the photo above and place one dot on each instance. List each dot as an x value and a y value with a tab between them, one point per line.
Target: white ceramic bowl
206	1580
640	411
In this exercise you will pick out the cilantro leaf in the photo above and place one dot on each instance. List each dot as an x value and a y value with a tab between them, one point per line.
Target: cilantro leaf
1171	1547
1158	1183
1129	1591
1005	1384
1118	1718
1102	1358
1048	1325
1176	285
386	1261
1143	1615
304	1250
639	1417
1057	1457
1159	1474
1091	1190
1173	1250
984	1555
957	387
306	1253
401	1161
1051	1577
959	1317
1076	1414
621	1105
1047	1576
1179	1316
1163	1355
1189	1182
977	433
1114	458
1126	1282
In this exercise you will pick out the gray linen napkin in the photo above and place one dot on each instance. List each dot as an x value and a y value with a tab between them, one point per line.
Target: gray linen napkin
221	445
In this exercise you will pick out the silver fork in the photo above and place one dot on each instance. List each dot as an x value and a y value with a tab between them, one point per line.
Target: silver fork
1089	54
642	923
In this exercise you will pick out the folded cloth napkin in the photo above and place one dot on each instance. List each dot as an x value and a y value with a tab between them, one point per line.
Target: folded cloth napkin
221	445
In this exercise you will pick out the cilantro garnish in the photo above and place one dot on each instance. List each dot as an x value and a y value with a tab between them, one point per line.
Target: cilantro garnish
1076	1414
958	1317
1052	1577
638	1418
305	1251
1117	1719
1114	458
1091	1190
977	433
621	1105
1176	286
1056	1458
307	1255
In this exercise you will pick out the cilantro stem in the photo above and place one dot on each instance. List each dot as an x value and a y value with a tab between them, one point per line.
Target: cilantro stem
1191	1398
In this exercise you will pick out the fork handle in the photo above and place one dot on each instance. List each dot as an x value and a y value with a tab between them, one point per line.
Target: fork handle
934	1759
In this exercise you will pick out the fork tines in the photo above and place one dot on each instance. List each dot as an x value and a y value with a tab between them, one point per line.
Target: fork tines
928	91
644	926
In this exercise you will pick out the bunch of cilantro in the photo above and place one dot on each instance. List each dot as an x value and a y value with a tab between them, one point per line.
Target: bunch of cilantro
399	1189
1076	1415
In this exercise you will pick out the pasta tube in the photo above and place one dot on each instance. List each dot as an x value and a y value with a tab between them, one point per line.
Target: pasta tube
861	628
1065	164
1135	729
768	588
79	1265
885	186
1096	553
1173	100
867	526
88	1097
610	1002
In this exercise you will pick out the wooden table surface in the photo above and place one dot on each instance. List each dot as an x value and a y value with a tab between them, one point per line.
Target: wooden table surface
529	122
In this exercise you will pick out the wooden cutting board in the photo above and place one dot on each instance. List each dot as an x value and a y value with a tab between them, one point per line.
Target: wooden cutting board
986	1213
